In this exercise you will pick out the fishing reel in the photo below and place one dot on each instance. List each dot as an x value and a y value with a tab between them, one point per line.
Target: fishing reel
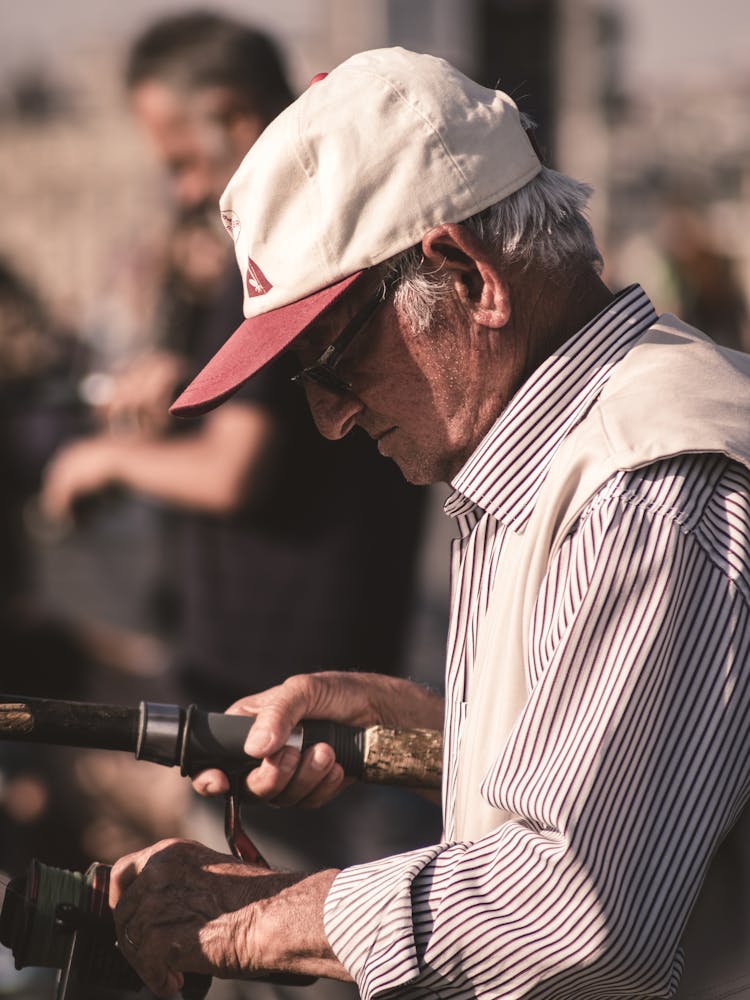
58	919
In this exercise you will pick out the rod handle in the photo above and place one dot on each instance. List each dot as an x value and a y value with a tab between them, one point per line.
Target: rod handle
407	757
214	739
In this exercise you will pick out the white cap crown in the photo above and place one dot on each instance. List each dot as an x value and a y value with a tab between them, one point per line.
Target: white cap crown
362	165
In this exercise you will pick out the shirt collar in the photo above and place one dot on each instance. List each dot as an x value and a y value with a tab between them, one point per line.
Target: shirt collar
504	474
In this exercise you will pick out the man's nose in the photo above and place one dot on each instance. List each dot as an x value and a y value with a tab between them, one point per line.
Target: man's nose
335	414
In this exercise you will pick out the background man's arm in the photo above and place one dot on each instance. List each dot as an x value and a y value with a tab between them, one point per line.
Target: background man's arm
212	469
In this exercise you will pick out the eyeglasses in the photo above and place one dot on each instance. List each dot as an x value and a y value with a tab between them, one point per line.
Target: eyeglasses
323	370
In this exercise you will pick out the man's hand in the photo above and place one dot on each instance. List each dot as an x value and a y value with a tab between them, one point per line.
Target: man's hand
143	392
181	907
358	699
76	471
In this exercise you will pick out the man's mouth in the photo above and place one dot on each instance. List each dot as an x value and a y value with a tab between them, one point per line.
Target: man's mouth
382	439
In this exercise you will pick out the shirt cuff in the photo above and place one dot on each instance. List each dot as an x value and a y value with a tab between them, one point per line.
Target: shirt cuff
378	917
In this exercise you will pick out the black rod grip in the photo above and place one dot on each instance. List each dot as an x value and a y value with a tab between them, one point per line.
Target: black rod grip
214	739
347	742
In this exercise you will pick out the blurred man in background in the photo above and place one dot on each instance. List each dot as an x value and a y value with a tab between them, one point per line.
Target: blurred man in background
257	534
293	553
272	580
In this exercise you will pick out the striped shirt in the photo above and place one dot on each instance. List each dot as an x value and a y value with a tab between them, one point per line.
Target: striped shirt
632	756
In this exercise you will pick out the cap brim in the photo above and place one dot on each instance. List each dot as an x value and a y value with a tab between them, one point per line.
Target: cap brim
253	344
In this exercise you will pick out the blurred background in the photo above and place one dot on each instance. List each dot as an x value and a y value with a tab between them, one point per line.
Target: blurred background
643	99
646	101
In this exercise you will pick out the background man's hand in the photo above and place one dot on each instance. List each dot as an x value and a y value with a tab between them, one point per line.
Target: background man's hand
181	907
143	392
76	471
358	699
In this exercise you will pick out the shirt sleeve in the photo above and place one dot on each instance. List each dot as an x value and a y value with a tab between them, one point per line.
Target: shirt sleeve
627	766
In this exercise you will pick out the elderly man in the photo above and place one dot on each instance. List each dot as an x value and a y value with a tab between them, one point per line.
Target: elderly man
440	288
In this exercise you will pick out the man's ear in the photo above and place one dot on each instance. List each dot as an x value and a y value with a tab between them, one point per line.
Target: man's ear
478	283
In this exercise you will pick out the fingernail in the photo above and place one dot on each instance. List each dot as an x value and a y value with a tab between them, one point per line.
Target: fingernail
321	758
258	742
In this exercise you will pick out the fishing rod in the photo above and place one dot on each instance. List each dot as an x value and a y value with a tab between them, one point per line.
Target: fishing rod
196	740
60	919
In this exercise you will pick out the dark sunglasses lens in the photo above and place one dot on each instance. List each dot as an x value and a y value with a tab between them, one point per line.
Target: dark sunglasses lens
323	377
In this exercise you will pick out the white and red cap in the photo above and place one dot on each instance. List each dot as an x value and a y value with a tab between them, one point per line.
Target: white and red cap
356	170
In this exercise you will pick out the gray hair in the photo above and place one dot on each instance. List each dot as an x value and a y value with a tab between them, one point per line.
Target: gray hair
542	223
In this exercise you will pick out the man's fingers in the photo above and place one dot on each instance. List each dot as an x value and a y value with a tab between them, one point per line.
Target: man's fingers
211	782
125	871
54	498
274	774
159	975
282	777
314	767
287	779
328	788
277	712
171	983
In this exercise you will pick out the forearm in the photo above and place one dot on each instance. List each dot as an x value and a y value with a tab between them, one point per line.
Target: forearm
359	698
181	472
181	907
291	930
212	469
403	704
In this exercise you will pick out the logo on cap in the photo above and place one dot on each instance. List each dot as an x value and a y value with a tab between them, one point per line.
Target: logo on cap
232	223
255	281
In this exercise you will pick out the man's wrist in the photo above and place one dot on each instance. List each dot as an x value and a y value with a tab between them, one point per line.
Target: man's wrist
288	930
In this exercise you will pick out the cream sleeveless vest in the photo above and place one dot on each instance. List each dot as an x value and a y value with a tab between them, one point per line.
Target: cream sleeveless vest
629	426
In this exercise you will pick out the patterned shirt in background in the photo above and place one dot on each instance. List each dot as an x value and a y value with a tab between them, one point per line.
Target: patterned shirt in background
636	735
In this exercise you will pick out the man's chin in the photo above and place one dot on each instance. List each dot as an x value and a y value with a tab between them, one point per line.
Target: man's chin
417	467
419	471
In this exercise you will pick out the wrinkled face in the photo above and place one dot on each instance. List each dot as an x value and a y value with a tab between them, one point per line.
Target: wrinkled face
196	137
424	397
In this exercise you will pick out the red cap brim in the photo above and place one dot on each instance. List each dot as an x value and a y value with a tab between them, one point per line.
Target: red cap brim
253	344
